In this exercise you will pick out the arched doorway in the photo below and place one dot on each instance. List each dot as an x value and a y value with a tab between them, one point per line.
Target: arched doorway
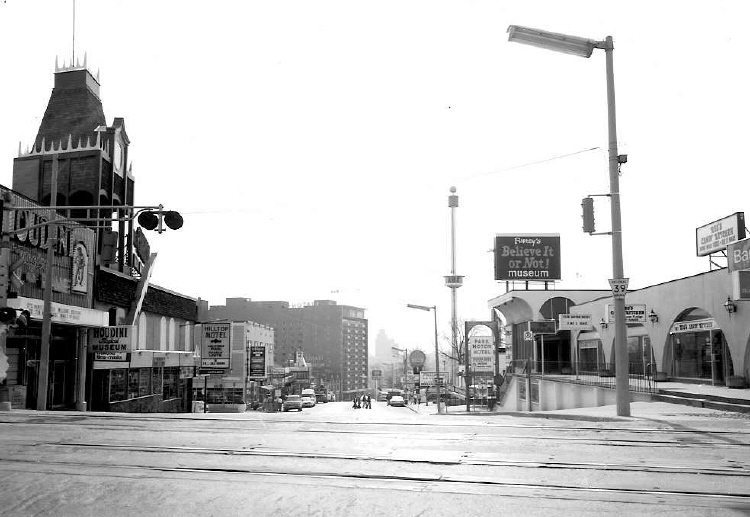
696	349
641	360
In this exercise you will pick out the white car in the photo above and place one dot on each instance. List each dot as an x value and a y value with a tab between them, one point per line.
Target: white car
309	393
308	401
397	400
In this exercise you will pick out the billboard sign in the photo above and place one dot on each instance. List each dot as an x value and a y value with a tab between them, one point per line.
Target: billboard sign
635	313
257	368
377	373
429	379
527	257
575	321
111	343
738	255
716	236
216	345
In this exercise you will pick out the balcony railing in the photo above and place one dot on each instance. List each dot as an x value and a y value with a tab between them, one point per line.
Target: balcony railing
640	376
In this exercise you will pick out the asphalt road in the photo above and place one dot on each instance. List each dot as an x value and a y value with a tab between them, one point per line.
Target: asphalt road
335	460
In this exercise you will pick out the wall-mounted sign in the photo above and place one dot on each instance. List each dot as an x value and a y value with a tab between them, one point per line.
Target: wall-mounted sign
717	235
215	345
575	321
111	343
257	368
738	255
693	326
635	313
741	285
527	257
543	327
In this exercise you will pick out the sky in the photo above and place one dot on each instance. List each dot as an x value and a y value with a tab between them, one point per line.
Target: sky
311	145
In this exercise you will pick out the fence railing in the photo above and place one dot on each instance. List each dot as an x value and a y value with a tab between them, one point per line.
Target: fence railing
640	376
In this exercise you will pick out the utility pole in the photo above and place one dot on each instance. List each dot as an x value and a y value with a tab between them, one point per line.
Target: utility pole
41	395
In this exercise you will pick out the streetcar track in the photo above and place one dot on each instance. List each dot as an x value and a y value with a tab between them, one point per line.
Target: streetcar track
447	480
737	471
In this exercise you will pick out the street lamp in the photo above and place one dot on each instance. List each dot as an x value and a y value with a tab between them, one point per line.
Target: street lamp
437	354
584	47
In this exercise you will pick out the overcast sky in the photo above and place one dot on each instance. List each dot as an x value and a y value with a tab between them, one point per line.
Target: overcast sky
311	145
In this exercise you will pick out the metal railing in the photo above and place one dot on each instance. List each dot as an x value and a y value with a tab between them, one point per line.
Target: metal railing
641	376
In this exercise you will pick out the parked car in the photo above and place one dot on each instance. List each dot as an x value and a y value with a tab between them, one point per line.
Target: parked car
308	401
394	392
292	402
382	396
321	397
397	400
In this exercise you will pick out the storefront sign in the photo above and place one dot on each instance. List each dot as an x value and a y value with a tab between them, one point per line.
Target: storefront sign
574	321
693	326
633	313
67	314
717	235
158	360
527	257
216	345
738	255
257	362
111	343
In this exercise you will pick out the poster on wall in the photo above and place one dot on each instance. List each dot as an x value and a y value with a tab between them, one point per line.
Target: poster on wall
527	257
216	345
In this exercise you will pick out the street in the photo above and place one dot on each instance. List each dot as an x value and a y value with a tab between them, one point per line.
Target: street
335	460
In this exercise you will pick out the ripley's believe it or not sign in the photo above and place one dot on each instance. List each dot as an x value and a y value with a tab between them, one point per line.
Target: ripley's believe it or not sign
527	257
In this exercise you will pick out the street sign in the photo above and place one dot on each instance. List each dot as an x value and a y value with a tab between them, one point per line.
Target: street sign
417	358
377	373
619	287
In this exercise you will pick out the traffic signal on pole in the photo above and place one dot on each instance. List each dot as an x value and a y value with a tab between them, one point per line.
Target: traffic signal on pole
589	225
156	219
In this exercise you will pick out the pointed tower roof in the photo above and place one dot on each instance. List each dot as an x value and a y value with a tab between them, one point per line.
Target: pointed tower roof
74	106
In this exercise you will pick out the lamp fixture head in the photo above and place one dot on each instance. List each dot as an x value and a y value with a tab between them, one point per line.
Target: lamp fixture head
653	317
582	47
730	306
603	324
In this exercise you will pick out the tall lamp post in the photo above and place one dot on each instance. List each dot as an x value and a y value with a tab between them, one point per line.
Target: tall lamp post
584	47
437	353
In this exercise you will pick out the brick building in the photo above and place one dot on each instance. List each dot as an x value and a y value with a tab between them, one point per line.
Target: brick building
333	338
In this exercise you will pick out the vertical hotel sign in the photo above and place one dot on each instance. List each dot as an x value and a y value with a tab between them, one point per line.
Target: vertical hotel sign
527	257
257	362
216	345
716	236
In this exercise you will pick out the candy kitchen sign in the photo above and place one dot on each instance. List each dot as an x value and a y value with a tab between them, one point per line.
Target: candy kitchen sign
111	343
716	236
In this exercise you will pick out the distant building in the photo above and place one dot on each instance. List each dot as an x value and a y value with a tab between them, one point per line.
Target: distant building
334	338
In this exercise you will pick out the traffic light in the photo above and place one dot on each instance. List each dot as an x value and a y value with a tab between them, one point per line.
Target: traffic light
589	225
156	219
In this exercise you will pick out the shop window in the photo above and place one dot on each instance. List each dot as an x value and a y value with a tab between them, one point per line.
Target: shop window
171	382
118	384
133	380
144	382
156	379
